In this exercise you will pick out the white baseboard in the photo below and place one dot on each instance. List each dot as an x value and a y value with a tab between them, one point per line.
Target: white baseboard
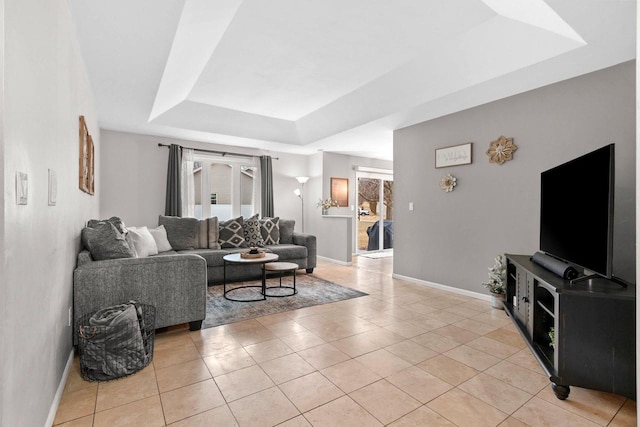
443	287
335	261
56	399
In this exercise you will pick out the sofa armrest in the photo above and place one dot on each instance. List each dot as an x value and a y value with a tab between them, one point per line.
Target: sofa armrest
308	240
175	284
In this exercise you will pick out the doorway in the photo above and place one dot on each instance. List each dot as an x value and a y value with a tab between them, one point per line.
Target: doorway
374	213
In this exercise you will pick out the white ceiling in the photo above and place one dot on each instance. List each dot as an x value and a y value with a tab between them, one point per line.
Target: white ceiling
301	75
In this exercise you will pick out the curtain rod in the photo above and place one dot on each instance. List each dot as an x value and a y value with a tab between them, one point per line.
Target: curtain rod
224	153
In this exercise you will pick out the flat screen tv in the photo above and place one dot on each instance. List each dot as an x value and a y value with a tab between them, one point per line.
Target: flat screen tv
576	212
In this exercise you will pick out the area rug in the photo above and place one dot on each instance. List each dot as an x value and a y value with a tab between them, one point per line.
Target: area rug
311	291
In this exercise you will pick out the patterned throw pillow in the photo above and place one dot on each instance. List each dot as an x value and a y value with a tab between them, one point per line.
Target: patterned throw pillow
232	233
252	233
270	230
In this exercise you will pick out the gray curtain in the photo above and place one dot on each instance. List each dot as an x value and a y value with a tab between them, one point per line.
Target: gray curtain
266	192
173	204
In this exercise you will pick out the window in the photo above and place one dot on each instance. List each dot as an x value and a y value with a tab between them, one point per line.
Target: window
224	187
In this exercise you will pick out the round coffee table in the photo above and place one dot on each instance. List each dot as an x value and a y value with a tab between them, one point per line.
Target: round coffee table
237	259
282	267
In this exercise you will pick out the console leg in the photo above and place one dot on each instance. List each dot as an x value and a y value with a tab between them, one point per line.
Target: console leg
195	326
561	391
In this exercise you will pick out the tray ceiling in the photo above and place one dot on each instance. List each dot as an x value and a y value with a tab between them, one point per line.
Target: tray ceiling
302	76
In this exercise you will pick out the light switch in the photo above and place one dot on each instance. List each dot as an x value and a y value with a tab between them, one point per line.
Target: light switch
410	206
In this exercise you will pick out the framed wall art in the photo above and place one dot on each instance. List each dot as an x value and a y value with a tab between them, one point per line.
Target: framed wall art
86	178
454	155
92	166
340	191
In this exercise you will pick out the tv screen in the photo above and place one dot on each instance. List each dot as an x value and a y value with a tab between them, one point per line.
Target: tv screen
576	212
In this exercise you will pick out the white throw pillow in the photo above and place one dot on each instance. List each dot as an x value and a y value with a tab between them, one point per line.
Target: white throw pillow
143	241
160	236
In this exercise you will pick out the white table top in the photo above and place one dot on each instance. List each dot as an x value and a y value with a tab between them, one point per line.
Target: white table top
236	258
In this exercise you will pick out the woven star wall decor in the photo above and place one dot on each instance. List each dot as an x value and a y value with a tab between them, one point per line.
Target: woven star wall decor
501	150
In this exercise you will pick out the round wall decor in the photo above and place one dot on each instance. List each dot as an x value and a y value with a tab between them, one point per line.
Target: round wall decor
447	182
501	150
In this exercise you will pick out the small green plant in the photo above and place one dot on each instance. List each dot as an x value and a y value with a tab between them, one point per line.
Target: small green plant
552	337
327	203
497	283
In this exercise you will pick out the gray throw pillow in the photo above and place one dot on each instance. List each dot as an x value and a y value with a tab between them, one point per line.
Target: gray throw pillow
183	233
232	233
270	230
117	222
104	241
202	239
286	230
214	232
252	233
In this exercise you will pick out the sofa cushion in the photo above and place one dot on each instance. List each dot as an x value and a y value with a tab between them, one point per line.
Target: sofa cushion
142	242
185	233
288	252
286	230
160	236
270	230
214	233
212	256
232	233
104	241
252	233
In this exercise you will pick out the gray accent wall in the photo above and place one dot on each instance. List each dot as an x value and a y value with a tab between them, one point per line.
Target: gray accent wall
45	89
452	238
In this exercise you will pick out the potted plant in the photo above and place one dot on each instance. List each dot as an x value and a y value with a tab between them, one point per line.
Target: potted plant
497	283
326	204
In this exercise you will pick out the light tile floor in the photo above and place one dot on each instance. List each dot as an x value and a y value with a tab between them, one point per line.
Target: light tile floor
405	355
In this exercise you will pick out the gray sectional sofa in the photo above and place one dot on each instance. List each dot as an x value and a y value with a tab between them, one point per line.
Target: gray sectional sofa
175	281
292	247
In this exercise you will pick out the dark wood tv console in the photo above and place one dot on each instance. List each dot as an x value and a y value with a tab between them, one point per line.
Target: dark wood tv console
594	324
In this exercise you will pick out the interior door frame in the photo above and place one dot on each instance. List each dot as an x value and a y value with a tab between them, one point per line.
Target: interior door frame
381	175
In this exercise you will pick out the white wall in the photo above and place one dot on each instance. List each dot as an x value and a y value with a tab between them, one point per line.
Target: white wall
451	238
45	90
134	176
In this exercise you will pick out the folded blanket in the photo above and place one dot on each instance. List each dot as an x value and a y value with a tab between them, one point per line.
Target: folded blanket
113	345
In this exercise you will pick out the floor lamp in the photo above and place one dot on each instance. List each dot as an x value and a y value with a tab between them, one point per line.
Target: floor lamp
300	193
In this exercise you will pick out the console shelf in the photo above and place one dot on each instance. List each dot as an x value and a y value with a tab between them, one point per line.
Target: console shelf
593	324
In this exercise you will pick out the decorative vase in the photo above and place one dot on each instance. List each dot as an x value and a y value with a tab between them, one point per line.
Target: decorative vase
497	300
325	211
